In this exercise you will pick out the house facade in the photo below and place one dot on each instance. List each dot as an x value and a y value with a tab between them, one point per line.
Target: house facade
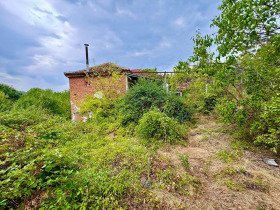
86	82
83	83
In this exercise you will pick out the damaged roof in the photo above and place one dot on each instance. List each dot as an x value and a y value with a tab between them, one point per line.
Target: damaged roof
102	68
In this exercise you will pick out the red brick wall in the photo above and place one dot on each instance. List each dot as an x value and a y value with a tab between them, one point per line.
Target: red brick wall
79	89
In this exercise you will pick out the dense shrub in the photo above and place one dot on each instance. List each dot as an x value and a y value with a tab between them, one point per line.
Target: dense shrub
266	126
139	99
210	102
5	103
100	109
12	93
176	108
22	118
146	94
53	102
155	125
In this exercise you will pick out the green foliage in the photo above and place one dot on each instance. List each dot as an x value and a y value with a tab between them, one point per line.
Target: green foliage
101	109
21	119
139	99
102	106
210	101
228	156
149	70
229	170
198	98
245	24
68	162
234	185
266	128
185	160
151	75
176	108
202	53
5	103
10	92
155	125
241	144
245	87
57	103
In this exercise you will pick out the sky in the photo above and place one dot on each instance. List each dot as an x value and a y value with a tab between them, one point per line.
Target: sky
41	39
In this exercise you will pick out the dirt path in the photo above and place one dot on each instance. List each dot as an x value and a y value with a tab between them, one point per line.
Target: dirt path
240	181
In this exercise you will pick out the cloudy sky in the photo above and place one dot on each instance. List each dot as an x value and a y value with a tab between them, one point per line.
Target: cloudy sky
41	39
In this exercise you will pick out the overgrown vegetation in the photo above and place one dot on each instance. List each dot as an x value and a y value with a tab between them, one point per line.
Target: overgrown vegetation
241	79
67	164
11	93
110	160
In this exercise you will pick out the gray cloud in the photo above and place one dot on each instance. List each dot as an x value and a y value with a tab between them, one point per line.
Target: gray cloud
47	36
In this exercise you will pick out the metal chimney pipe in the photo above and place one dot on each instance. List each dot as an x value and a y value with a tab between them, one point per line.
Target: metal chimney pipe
86	46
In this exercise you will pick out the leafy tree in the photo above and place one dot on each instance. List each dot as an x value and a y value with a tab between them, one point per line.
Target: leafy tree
246	24
247	81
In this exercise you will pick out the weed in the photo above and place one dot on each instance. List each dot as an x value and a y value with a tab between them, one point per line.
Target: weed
206	167
234	185
195	182
223	130
228	156
241	169
204	137
229	170
240	145
185	160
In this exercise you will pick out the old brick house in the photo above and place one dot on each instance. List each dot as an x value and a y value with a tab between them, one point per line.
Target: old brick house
80	86
83	83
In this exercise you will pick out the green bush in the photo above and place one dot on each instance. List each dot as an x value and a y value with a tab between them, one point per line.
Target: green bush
267	124
198	98
10	92
155	125
139	99
146	94
22	118
53	102
176	108
210	101
184	160
5	103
